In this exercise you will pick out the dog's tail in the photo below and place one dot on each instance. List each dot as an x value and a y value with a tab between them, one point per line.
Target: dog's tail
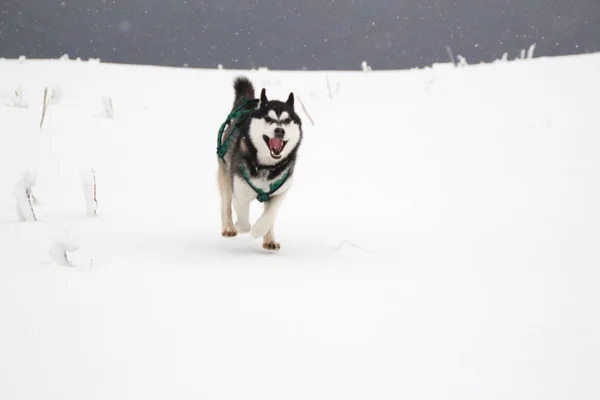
243	88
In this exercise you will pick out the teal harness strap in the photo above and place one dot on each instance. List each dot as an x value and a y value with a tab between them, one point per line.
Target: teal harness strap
241	113
273	187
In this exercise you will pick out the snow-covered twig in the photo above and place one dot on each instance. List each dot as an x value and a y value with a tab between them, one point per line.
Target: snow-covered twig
36	202
328	86
56	96
61	246
306	112
17	98
450	55
329	90
88	177
44	106
365	67
530	51
24	197
108	107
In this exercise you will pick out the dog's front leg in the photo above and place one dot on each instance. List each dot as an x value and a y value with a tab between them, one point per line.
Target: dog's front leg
242	210
225	187
266	221
242	197
269	242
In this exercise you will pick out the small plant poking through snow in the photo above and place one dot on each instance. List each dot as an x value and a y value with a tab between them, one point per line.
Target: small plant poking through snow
61	246
305	111
365	67
450	55
107	104
88	177
329	90
17	98
57	95
44	106
24	197
527	54
530	51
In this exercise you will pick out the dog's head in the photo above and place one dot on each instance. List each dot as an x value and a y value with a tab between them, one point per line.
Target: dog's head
275	130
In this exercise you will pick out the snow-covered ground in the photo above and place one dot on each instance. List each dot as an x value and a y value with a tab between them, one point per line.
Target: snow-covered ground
441	239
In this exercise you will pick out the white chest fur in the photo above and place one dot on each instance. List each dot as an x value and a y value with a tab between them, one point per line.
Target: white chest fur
244	192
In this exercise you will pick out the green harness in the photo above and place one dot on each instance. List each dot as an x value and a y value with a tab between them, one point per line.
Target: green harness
273	187
242	113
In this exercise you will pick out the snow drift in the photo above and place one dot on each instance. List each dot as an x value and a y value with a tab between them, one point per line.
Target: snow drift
440	242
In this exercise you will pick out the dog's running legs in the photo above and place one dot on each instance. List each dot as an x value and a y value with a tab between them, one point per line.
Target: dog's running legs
228	229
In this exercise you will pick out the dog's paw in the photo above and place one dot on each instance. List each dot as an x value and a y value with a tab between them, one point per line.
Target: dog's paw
229	231
243	227
260	228
271	245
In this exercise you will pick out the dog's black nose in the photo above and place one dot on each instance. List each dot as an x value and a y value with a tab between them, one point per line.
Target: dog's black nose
279	133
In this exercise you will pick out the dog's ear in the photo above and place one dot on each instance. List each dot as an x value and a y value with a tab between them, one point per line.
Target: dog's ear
263	97
290	100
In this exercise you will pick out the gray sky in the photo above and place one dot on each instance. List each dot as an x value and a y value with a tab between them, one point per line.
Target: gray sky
295	34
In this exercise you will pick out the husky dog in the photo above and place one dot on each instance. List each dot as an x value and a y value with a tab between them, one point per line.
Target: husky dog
260	157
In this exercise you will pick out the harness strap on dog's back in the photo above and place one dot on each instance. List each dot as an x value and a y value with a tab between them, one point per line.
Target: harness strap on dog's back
241	113
273	187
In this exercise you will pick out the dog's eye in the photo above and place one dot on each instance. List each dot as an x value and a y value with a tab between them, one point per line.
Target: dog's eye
268	120
287	121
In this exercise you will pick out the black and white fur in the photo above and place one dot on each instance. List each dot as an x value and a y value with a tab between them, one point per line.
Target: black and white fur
250	147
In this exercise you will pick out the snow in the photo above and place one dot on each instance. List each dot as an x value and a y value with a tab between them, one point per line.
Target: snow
61	248
440	241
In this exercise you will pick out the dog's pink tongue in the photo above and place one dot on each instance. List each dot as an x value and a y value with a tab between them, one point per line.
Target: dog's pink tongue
276	145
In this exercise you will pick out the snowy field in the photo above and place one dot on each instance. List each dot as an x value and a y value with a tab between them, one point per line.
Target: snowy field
441	239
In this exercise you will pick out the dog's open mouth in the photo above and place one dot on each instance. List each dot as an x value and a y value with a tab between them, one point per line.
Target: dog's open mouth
276	146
